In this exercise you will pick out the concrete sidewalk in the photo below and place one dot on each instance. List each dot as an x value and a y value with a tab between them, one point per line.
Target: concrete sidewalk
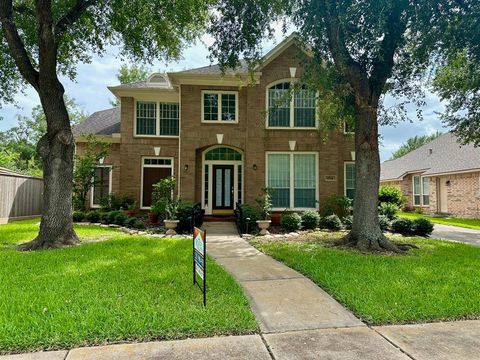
456	233
298	320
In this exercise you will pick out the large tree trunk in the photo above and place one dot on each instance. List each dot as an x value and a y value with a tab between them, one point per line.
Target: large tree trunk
366	233
56	149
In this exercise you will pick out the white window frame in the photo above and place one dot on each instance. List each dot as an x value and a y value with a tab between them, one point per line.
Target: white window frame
292	126
345	163
97	206
157	120
171	166
219	107
292	178
421	194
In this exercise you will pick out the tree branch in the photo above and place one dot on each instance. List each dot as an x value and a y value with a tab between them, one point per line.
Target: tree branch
73	15
347	66
15	44
383	64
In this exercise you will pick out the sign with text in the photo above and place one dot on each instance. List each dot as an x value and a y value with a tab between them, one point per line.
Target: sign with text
199	260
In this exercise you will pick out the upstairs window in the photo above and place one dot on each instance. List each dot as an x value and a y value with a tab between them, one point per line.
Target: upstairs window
290	106
219	106
156	119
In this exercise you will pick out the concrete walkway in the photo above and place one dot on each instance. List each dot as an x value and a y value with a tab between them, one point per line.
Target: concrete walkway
456	233
298	321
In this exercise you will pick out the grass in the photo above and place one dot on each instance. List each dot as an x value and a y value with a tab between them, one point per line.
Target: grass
438	281
122	289
466	223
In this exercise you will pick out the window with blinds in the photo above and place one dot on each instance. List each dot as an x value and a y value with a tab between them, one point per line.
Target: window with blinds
157	119
290	106
350	180
293	179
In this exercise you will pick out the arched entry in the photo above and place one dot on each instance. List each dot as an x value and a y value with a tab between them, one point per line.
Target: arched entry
222	174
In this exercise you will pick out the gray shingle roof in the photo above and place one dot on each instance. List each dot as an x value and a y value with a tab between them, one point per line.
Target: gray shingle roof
242	68
442	155
105	122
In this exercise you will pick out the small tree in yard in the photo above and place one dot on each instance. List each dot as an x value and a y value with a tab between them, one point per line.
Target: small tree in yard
359	51
43	39
84	175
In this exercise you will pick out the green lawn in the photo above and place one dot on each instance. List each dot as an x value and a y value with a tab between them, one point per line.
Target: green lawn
438	281
466	223
125	288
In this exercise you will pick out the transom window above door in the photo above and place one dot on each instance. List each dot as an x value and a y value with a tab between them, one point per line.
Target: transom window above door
156	118
219	106
291	106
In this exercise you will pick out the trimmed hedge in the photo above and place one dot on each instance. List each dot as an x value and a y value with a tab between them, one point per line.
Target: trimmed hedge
422	227
331	222
291	221
244	212
92	216
310	219
78	216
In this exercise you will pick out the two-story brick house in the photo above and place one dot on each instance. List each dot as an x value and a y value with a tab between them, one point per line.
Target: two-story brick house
223	136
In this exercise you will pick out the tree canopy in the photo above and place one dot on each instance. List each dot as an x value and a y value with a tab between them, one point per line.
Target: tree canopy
128	74
372	47
414	143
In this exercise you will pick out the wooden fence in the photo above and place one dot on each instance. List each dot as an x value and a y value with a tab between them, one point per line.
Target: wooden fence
20	196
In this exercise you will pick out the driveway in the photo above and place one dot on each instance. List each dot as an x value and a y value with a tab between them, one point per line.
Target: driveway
455	233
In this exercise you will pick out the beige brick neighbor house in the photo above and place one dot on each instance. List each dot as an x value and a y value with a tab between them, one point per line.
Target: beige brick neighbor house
441	177
223	136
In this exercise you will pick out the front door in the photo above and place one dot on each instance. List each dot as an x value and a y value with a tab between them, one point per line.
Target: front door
443	195
223	187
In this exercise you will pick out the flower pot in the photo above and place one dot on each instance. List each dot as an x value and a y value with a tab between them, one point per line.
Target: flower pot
263	226
152	218
131	213
171	225
276	217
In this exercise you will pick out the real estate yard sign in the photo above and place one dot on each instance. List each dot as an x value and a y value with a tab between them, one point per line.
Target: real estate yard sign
199	260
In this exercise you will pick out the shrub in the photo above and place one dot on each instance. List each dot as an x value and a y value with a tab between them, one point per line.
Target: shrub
391	195
348	222
188	214
120	218
422	227
418	210
114	202
402	226
93	216
291	221
78	216
384	222
134	223
264	203
331	222
336	205
244	211
111	215
310	219
408	208
388	209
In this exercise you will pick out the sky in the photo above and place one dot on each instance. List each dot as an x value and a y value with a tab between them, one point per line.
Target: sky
90	91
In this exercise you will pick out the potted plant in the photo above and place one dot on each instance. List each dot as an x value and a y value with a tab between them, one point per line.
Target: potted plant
154	212
265	204
171	221
130	210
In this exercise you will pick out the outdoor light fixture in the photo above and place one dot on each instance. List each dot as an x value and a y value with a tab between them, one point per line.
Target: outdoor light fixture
185	167
254	166
101	160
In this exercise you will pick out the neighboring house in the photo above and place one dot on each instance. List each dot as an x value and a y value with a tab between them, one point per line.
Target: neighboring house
223	137
440	177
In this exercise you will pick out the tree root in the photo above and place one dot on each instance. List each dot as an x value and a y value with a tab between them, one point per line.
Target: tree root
40	243
374	244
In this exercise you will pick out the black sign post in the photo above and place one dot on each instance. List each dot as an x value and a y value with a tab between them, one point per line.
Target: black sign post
200	260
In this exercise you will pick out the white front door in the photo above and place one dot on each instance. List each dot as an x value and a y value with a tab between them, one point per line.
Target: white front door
443	195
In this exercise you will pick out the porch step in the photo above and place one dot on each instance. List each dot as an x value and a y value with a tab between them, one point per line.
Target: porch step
219	218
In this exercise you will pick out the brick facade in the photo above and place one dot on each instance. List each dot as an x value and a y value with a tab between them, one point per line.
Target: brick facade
462	193
249	136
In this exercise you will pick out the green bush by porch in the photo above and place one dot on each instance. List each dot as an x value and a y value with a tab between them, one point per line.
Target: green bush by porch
125	288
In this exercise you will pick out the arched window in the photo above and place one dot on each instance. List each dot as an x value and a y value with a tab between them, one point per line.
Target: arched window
291	106
223	153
